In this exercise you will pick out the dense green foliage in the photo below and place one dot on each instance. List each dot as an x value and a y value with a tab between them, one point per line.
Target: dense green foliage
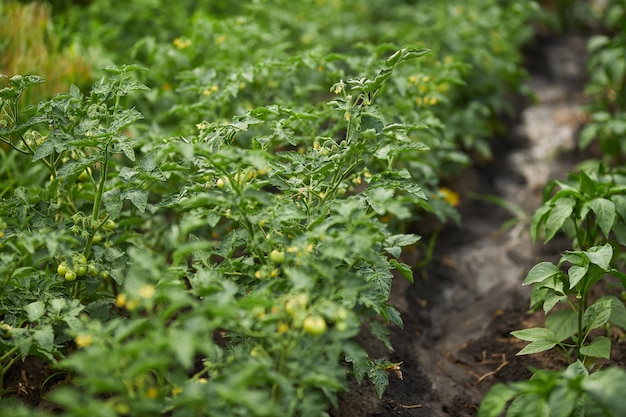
206	228
589	207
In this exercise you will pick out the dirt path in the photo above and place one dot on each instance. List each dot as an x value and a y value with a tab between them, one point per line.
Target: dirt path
456	342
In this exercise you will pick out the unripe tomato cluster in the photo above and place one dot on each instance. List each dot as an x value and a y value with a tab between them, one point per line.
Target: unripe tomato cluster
80	268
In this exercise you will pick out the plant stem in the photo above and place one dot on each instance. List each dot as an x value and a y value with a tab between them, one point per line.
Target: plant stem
580	339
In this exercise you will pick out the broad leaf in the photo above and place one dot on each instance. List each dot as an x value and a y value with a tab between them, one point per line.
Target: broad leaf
597	314
563	323
605	214
536	347
541	272
576	274
601	256
600	347
618	312
607	389
561	211
535	222
534	334
495	401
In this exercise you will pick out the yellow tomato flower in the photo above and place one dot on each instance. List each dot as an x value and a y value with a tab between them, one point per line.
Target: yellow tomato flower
146	292
450	196
83	340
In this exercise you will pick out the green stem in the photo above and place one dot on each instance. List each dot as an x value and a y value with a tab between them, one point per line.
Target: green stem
103	177
98	200
580	339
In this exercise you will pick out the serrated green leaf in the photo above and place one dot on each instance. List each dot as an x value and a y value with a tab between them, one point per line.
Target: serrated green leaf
35	310
379	379
403	268
381	333
44	338
394	316
600	347
139	198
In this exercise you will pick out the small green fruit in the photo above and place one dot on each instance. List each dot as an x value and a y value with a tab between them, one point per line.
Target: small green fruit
276	256
315	325
62	269
70	276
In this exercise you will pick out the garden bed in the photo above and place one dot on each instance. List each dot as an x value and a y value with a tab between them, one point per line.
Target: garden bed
269	205
457	343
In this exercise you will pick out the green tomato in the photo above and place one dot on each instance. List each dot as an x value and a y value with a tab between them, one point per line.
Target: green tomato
81	270
97	238
109	225
315	325
79	259
296	303
70	275
62	269
92	270
276	256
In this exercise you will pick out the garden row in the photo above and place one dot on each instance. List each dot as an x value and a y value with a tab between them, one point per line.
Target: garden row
207	236
589	207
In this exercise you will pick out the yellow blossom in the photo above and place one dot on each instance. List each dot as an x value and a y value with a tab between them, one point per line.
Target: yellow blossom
450	196
210	90
152	393
132	304
146	292
202	126
83	340
220	39
181	43
282	327
120	300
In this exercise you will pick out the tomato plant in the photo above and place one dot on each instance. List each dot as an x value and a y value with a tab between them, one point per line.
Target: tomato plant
222	224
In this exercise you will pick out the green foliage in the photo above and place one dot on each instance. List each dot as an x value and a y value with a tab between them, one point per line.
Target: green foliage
570	329
589	208
564	393
211	245
226	261
607	85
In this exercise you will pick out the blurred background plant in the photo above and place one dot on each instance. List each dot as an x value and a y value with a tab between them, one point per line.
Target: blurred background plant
29	44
